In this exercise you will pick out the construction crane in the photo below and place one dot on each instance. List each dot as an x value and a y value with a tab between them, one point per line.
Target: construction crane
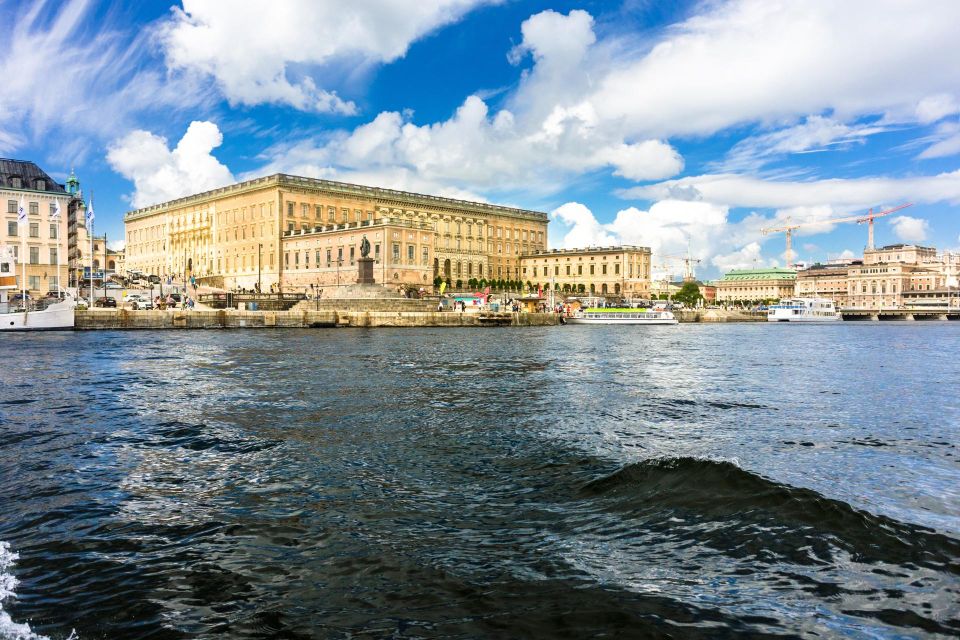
688	263
869	218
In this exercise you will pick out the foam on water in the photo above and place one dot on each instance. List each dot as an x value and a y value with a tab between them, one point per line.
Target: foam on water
10	630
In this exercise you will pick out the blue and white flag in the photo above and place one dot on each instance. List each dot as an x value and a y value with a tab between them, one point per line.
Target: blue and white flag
56	210
21	213
90	213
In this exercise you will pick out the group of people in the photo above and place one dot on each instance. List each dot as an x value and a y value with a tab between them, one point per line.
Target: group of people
169	302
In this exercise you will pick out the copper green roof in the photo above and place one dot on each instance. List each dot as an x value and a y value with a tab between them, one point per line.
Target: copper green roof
759	274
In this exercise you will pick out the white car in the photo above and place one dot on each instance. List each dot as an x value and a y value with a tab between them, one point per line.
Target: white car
131	297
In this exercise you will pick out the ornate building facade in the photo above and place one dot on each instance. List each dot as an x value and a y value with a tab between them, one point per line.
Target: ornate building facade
614	271
268	233
41	240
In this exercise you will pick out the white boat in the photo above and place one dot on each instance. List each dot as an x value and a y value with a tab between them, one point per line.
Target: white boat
804	310
59	314
621	316
24	315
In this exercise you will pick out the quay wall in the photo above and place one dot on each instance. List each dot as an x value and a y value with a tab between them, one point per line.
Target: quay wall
92	319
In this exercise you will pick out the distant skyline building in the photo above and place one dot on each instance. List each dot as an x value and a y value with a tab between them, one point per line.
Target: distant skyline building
748	286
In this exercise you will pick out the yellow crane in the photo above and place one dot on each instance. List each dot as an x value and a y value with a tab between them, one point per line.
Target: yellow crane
869	218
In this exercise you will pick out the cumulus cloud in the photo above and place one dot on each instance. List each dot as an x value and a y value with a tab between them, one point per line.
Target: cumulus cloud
730	65
748	257
160	174
269	52
910	229
533	144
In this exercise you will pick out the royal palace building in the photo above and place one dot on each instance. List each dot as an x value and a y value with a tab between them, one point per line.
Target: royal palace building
297	234
608	271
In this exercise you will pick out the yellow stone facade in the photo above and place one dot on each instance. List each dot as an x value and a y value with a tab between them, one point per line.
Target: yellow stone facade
39	240
268	230
614	271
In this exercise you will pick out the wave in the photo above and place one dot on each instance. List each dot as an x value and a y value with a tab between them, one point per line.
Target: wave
752	515
10	630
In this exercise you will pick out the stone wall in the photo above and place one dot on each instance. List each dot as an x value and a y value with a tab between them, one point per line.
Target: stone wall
92	319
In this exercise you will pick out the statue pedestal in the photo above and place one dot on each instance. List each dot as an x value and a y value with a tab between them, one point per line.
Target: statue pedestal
366	271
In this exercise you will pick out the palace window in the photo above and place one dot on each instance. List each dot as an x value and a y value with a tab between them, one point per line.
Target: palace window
34	230
591	269
556	270
331	214
425	257
579	269
568	269
296	259
34	257
11	206
328	257
34	282
53	208
603	269
34	208
616	269
304	210
53	256
396	252
290	209
11	228
376	251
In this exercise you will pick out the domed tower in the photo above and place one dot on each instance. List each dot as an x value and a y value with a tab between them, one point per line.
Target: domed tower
73	184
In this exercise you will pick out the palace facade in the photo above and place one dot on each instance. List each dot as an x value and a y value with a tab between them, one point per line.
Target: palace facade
614	271
289	232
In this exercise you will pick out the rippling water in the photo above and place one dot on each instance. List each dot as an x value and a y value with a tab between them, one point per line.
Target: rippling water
689	481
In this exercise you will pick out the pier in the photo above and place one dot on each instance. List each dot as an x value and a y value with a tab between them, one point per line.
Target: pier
908	314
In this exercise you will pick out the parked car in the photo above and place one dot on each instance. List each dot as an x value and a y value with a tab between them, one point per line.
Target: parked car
105	302
18	298
154	279
113	285
176	297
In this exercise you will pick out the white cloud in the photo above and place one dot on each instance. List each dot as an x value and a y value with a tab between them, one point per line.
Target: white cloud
947	144
585	231
846	254
910	229
767	61
842	194
276	52
816	133
117	245
534	144
749	257
78	81
160	174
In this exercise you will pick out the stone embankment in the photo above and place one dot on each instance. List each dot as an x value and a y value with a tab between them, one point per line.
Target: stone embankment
90	319
719	315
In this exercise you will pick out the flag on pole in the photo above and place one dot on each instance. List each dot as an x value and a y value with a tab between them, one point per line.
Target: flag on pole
90	215
56	210
21	213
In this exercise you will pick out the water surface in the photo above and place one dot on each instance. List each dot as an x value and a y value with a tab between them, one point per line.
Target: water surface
580	481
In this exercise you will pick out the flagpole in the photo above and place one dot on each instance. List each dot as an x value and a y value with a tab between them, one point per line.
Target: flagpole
90	231
59	275
21	222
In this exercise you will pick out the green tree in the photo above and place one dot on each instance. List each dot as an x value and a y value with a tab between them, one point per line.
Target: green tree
459	285
689	294
437	281
581	288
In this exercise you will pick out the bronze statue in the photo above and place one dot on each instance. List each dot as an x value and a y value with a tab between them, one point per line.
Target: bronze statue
364	247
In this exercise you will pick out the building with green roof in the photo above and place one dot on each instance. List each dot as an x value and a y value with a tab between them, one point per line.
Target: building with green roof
756	285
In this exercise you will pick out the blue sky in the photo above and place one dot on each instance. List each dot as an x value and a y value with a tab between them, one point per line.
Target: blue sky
661	124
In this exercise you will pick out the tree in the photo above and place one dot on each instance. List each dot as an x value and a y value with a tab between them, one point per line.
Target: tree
581	288
482	284
689	294
459	285
448	283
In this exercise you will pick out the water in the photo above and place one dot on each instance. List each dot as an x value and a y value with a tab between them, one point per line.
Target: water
689	481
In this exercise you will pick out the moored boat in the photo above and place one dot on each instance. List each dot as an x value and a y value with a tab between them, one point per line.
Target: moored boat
612	315
804	310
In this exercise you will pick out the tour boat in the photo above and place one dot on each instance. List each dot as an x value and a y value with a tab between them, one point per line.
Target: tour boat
804	310
621	316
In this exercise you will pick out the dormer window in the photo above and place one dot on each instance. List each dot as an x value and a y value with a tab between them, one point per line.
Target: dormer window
16	182
41	185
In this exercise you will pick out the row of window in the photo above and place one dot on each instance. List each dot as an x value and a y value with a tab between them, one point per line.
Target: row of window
13	229
603	270
35	255
17	182
33	208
